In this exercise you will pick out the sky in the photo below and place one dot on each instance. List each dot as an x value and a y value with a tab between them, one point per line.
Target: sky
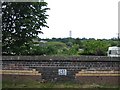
84	18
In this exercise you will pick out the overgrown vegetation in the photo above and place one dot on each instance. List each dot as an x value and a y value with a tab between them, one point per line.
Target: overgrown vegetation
67	46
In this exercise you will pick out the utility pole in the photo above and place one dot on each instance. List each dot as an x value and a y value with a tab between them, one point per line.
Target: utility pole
70	34
118	24
70	39
118	39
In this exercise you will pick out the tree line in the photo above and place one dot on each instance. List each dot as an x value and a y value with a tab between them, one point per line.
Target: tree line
75	46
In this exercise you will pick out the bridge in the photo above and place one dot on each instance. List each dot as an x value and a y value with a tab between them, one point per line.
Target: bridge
81	69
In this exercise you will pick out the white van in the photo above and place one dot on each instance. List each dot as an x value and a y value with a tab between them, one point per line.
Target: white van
114	51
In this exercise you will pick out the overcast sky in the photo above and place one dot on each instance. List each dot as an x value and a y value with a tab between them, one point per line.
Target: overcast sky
85	18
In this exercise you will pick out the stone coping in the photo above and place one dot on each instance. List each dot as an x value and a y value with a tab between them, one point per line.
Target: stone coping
62	58
98	73
20	72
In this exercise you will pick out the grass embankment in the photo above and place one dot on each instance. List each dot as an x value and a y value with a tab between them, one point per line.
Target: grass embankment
36	84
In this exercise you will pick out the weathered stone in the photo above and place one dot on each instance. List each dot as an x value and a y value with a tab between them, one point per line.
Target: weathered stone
49	67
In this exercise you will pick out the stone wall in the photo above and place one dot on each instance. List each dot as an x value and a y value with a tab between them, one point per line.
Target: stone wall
61	69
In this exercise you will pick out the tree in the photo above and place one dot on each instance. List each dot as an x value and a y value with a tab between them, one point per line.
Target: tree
78	41
95	47
21	22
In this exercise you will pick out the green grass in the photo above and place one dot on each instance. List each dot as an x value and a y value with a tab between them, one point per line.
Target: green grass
36	84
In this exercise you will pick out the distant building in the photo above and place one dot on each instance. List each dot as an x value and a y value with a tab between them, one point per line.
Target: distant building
36	42
43	41
41	0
